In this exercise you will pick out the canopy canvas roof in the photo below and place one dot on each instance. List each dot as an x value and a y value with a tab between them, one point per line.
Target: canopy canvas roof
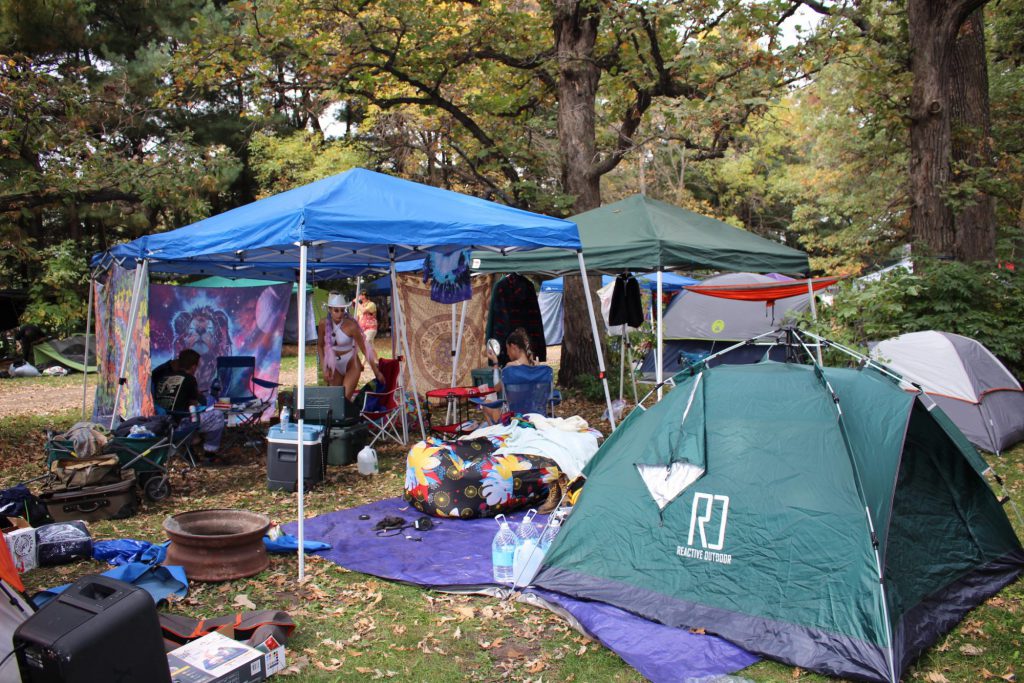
644	234
670	282
353	222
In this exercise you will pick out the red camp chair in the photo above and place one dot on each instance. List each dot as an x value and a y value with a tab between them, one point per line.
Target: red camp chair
382	410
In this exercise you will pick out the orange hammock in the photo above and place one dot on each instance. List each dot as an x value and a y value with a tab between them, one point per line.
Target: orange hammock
769	292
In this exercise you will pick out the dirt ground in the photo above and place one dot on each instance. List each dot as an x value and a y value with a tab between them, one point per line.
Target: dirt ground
51	395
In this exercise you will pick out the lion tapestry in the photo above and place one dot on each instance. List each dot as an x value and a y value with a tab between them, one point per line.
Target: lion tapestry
219	321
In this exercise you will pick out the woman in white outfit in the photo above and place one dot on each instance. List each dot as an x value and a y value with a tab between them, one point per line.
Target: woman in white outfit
338	337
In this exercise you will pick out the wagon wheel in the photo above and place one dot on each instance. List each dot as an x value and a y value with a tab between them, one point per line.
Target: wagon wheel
157	488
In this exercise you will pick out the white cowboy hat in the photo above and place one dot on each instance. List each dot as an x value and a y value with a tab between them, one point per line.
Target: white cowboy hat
337	300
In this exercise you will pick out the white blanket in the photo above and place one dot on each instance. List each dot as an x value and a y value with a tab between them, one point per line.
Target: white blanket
567	441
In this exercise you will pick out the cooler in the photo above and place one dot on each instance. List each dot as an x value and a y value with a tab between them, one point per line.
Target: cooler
346	441
98	629
282	456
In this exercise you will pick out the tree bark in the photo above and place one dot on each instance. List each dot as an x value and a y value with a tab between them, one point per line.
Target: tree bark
575	30
933	27
975	224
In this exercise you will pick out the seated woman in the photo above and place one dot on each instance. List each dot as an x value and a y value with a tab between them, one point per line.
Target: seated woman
338	338
517	346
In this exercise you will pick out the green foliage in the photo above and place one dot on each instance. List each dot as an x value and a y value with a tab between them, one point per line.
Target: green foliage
975	300
282	162
58	297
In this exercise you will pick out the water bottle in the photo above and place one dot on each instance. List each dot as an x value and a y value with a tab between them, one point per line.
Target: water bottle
552	529
286	416
503	549
193	413
526	560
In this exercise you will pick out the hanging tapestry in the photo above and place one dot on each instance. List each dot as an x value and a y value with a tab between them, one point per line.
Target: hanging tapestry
112	307
219	321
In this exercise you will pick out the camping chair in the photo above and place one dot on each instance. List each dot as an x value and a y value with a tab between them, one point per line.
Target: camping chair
183	431
240	385
526	389
382	410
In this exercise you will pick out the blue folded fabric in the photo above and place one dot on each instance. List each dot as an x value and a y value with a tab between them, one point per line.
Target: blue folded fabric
286	543
157	580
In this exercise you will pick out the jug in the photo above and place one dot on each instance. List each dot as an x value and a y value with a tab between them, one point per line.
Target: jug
366	461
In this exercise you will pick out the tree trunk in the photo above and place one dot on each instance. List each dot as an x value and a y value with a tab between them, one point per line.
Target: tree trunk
971	129
933	26
575	31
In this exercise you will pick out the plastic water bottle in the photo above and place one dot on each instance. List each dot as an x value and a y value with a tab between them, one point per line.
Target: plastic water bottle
286	416
526	560
552	529
503	549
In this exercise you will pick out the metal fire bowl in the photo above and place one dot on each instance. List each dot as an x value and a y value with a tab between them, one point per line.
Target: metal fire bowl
217	545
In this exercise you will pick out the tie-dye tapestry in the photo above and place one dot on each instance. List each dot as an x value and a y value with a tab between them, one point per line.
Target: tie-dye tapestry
112	307
430	332
219	321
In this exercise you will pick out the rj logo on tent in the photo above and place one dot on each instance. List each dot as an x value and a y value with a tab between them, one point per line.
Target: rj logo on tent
709	516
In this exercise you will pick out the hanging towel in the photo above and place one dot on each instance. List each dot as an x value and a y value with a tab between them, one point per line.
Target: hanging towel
626	308
448	275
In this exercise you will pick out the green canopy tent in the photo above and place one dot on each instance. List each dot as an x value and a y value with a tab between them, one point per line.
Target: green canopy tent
822	517
646	235
70	353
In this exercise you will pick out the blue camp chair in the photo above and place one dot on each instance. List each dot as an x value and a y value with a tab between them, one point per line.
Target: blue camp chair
526	389
250	396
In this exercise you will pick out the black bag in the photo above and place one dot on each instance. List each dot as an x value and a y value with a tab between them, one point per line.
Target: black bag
158	424
18	501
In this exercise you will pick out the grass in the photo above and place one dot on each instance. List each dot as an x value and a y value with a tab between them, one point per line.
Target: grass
356	627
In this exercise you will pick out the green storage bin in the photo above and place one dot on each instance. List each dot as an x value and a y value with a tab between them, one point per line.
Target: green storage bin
346	442
483	376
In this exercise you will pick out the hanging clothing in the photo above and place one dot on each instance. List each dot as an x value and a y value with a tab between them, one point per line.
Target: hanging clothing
514	304
626	308
448	275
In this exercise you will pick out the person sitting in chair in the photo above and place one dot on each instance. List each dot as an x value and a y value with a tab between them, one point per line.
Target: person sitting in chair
175	390
517	346
338	338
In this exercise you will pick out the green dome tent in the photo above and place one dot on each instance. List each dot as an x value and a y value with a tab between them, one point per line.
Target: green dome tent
824	518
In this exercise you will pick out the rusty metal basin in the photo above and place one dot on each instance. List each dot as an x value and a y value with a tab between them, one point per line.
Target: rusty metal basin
217	545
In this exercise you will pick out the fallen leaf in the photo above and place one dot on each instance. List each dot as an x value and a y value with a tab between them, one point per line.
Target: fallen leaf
582	651
458	633
364	670
935	677
333	666
298	663
242	600
466	612
971	650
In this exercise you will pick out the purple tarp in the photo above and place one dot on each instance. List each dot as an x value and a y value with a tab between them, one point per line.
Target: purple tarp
455	555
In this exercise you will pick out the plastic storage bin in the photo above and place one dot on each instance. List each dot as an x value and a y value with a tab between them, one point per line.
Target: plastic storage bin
344	442
282	457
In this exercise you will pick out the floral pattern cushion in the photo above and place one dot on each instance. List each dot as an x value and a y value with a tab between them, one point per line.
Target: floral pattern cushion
464	479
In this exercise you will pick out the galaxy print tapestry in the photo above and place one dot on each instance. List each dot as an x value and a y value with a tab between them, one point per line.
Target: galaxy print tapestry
219	321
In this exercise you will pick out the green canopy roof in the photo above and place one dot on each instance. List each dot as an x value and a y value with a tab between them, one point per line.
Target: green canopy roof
646	235
218	281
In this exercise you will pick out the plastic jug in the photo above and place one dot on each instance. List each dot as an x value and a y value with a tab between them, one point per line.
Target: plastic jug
366	461
503	549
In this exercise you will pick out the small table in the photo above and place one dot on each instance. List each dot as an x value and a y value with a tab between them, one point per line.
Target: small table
457	398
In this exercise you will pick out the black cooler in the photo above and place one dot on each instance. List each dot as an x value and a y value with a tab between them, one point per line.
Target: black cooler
98	629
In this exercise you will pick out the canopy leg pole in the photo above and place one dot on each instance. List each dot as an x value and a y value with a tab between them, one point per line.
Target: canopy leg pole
402	369
814	316
141	275
622	359
88	326
659	361
403	330
597	339
449	418
632	374
359	286
458	343
300	412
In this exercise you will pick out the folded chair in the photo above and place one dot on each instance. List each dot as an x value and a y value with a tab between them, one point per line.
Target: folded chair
250	395
183	429
526	389
382	410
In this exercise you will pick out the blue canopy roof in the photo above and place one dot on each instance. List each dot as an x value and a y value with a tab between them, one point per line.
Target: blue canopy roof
353	222
670	282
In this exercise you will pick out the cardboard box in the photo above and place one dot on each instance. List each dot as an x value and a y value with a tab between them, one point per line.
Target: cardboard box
23	547
273	655
215	658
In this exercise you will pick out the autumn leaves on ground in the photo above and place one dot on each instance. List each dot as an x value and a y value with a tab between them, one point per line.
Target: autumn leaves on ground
356	627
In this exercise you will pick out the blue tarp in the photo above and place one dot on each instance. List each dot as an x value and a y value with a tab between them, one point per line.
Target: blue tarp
670	282
353	222
382	285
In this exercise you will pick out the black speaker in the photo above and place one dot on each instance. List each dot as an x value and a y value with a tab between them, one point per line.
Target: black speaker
98	629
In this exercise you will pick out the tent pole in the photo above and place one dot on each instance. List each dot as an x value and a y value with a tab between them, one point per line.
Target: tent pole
659	361
394	348
451	356
359	284
814	314
141	267
300	411
404	341
632	373
88	326
458	344
597	338
622	359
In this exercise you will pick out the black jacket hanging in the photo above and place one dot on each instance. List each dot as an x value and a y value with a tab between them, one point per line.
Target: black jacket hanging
626	307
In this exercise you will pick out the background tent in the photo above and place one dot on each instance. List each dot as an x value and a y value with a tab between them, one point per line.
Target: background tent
696	325
291	322
643	234
69	352
970	384
749	503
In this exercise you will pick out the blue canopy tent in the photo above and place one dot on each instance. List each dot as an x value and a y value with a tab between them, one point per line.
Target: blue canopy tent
355	222
670	282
